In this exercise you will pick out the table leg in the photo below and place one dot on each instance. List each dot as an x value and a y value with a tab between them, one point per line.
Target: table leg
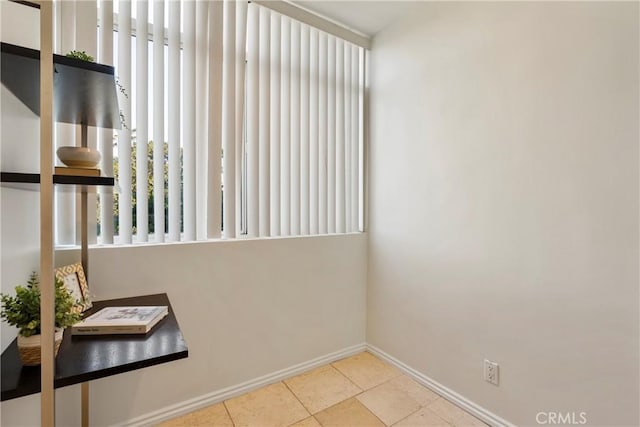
85	404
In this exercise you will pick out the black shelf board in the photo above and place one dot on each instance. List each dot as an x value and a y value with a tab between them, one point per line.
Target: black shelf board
84	92
26	3
34	178
86	358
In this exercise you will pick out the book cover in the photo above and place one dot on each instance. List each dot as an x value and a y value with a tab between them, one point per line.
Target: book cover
76	171
121	320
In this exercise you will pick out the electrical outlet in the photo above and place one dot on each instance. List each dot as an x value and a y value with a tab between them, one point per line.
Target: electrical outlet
491	372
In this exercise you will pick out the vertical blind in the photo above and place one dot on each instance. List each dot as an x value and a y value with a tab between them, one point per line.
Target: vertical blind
242	121
303	128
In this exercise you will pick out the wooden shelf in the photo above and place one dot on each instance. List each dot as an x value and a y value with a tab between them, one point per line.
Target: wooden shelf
34	178
86	358
84	92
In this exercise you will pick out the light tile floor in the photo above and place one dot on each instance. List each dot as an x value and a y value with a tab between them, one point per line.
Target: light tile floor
360	390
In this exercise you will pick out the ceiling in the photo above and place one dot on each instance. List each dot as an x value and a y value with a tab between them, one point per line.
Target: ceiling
366	16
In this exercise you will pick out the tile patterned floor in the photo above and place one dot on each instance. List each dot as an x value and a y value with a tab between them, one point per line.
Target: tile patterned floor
360	390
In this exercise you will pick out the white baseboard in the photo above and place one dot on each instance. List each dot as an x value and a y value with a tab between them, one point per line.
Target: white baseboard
461	401
226	393
236	390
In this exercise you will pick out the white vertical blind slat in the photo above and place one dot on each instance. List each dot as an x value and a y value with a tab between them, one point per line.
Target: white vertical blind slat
158	121
189	120
86	40
229	128
264	149
295	128
174	122
68	25
285	128
106	135
214	134
274	108
124	134
340	140
142	108
304	130
362	121
253	114
86	23
347	132
322	134
240	60
202	17
313	132
355	128
331	135
65	134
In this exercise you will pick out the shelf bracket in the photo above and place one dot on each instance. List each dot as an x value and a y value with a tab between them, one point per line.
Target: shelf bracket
47	299
84	390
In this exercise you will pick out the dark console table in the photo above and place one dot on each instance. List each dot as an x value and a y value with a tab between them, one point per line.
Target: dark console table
85	358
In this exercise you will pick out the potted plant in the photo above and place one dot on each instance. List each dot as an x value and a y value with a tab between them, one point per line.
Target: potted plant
23	311
82	55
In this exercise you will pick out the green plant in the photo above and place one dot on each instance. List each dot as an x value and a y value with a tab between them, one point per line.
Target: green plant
80	55
23	310
124	93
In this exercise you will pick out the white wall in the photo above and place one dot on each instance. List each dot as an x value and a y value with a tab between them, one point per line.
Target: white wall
246	309
19	152
504	203
19	209
20	25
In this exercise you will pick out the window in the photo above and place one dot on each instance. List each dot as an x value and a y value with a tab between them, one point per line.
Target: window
304	128
246	123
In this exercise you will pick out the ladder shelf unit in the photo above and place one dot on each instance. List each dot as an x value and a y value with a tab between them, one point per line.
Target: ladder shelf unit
69	90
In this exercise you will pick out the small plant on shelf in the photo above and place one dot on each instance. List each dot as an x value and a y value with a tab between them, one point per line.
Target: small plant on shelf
23	312
82	55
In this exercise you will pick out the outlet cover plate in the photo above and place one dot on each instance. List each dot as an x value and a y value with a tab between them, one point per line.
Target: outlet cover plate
491	372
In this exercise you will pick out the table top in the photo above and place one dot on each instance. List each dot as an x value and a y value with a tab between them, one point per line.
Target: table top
86	358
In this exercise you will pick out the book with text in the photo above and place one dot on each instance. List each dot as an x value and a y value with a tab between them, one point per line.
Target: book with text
121	320
60	170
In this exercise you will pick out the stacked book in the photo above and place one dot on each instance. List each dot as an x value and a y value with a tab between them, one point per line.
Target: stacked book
60	170
121	320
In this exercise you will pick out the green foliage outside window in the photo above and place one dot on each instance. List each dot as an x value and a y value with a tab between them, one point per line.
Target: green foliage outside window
132	165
